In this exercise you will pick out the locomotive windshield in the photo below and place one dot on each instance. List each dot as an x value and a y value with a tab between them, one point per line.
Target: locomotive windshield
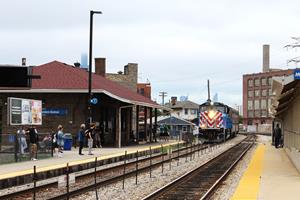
218	108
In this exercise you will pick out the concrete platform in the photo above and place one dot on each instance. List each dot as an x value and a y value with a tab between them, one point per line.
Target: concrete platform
270	176
16	173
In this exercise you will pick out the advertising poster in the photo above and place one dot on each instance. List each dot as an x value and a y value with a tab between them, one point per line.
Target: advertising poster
25	111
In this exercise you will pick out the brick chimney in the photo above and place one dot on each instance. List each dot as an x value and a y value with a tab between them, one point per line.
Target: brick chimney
100	67
173	101
266	58
23	61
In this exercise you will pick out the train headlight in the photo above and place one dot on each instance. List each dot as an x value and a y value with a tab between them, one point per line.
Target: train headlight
211	114
203	126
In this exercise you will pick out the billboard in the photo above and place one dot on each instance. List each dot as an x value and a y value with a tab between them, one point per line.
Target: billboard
24	111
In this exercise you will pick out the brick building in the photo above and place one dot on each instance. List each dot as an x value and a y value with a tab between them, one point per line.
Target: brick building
144	89
257	92
126	78
63	86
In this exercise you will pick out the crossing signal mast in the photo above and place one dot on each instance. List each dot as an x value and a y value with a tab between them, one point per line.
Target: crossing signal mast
294	45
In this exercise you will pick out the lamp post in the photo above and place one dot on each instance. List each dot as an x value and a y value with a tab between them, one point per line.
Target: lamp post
90	63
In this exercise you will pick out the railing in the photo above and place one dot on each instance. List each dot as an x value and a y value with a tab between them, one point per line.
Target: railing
16	148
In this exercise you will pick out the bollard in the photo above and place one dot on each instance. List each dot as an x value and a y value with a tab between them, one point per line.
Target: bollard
198	146
124	169
95	176
191	152
34	182
186	153
178	154
194	152
150	161
162	159
68	188
170	157
136	167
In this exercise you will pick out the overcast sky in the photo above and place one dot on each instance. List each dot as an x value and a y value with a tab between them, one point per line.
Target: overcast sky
178	44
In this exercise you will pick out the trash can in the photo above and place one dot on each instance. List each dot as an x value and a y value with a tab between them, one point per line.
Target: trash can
68	141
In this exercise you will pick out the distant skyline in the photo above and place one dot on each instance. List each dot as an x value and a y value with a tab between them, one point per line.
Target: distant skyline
178	45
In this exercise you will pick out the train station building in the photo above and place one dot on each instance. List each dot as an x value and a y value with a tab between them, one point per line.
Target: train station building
63	90
286	109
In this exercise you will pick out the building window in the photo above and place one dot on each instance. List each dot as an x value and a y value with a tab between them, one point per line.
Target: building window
193	111
250	122
270	92
250	93
269	80
256	105
142	91
186	111
263	104
257	113
250	105
256	82
264	113
250	83
264	93
257	93
184	128
263	81
250	113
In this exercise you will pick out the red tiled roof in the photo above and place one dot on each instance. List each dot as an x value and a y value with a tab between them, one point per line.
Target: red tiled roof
57	75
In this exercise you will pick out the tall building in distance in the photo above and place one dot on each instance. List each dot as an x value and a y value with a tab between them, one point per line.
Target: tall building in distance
84	60
257	92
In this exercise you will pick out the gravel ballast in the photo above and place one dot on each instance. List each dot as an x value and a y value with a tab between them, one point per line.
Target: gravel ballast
147	185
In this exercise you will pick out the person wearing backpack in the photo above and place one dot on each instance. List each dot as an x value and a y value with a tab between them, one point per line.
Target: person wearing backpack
80	137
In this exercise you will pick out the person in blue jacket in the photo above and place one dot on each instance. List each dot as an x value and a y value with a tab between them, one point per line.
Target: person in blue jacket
80	136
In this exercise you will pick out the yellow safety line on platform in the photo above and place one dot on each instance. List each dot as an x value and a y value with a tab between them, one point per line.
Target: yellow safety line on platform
77	162
248	187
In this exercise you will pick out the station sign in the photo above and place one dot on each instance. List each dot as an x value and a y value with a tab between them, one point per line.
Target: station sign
55	112
24	111
94	101
297	74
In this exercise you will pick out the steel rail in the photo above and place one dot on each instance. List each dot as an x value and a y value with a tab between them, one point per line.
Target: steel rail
102	171
181	179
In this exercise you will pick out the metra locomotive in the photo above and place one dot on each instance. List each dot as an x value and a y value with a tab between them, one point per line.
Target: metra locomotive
217	121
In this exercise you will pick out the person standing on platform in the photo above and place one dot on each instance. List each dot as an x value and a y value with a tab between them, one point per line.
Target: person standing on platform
60	140
89	135
277	133
80	138
33	138
22	139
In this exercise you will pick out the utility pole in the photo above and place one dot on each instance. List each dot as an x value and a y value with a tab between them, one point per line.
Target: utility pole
163	95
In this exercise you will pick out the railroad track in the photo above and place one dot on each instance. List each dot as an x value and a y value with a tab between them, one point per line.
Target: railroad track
201	182
111	174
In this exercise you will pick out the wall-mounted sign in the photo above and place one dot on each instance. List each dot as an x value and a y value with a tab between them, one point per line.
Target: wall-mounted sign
24	111
55	112
94	101
297	74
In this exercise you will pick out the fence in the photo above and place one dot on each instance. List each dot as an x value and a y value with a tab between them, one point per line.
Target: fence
14	148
